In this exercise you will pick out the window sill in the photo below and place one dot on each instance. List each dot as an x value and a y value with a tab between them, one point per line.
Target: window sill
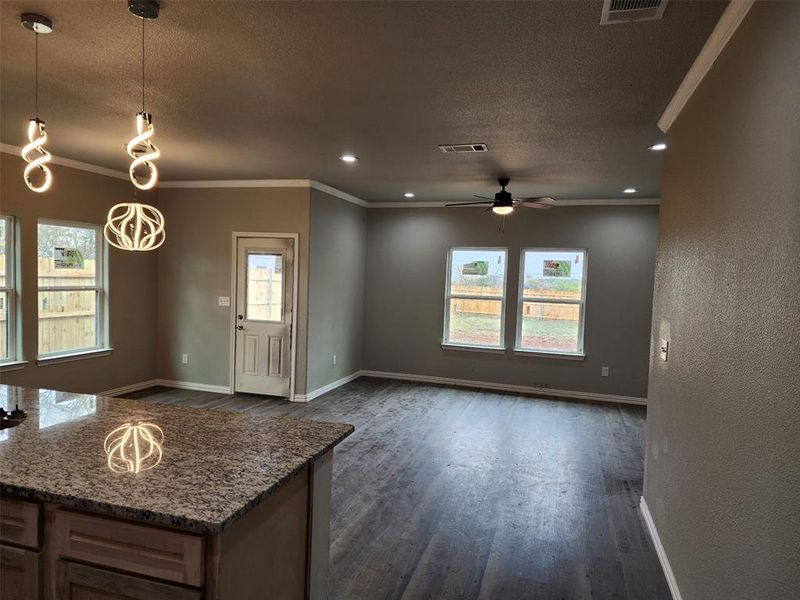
546	354
15	365
53	359
494	349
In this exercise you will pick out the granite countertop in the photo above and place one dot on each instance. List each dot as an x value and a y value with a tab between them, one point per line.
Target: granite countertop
215	465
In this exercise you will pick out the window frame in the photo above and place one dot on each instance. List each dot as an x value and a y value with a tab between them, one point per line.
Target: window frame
10	289
518	349
101	295
446	343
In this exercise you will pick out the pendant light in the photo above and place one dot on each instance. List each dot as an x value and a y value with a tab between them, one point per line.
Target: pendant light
133	225
34	152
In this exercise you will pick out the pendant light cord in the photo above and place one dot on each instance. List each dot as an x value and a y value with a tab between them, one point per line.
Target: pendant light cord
36	76
143	20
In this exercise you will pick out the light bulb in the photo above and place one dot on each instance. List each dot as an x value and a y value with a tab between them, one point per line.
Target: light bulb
134	447
348	158
135	227
502	210
37	138
143	152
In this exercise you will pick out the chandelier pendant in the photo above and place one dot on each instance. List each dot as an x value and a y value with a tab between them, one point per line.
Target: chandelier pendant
134	226
143	153
37	157
37	174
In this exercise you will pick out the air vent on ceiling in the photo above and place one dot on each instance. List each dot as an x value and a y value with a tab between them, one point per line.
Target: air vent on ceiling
625	11
450	148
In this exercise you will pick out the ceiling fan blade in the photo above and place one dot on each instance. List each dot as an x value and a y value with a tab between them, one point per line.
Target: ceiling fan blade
469	203
543	203
484	197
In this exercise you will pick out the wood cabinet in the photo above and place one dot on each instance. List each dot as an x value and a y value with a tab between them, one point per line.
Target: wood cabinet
20	574
82	582
279	549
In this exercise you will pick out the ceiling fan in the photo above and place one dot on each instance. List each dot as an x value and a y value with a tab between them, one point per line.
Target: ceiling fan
504	203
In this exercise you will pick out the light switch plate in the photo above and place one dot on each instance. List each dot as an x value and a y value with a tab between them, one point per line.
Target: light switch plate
604	372
223	301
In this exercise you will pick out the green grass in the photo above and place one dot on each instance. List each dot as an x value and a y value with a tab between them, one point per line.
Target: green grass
552	334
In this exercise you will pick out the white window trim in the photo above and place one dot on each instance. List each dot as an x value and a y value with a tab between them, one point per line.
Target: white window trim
12	347
101	282
446	343
543	352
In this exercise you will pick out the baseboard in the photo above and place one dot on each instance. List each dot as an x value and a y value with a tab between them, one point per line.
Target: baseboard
507	387
197	387
327	388
662	554
127	389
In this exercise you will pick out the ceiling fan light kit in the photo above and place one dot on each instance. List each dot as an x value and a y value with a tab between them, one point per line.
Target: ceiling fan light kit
504	203
34	152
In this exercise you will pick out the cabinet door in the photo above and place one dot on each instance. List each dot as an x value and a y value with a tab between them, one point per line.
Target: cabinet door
19	574
80	582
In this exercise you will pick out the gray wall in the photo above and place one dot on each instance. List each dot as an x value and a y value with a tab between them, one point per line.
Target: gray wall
194	268
82	197
723	459
337	263
406	265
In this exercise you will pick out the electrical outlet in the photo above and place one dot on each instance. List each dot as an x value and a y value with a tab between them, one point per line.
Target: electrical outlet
334	360
185	359
604	372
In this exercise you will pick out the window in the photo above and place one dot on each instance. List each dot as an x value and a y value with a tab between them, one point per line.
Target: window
264	286
71	288
551	301
8	298
475	297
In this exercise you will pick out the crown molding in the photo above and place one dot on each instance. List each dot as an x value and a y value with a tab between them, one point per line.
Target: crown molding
726	26
308	183
559	203
68	162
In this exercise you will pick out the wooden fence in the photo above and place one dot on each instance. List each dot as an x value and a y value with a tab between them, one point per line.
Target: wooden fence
568	312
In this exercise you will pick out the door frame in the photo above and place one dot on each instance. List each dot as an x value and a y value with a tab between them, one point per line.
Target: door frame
295	237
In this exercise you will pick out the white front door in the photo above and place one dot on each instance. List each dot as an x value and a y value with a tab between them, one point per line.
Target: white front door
264	287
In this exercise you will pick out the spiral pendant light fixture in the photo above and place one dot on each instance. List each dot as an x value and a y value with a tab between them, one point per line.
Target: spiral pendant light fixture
135	226
37	174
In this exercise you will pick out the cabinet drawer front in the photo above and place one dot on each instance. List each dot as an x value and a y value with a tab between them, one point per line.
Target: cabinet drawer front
81	582
19	522
142	549
19	573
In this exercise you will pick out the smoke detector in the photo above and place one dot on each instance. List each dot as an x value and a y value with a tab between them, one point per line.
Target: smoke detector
627	11
456	148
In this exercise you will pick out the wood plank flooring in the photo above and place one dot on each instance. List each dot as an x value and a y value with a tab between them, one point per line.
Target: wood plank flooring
457	494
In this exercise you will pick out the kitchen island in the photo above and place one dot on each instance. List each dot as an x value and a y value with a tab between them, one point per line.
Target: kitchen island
112	498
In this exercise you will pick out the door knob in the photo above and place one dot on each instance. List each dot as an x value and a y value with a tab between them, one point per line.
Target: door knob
240	327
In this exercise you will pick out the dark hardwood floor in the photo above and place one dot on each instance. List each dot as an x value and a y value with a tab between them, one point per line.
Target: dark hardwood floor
455	493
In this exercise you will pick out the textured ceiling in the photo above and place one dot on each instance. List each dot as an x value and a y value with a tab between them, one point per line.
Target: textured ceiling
257	90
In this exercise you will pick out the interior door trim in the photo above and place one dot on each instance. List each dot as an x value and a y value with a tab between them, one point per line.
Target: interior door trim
295	237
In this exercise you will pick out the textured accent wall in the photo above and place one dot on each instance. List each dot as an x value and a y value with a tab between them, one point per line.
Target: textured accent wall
722	474
337	264
406	271
84	198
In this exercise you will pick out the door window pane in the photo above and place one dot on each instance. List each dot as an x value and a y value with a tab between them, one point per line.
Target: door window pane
264	286
3	259
67	320
475	322
550	326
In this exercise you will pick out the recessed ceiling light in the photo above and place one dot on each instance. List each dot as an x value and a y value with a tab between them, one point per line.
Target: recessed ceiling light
658	147
348	158
629	191
409	194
